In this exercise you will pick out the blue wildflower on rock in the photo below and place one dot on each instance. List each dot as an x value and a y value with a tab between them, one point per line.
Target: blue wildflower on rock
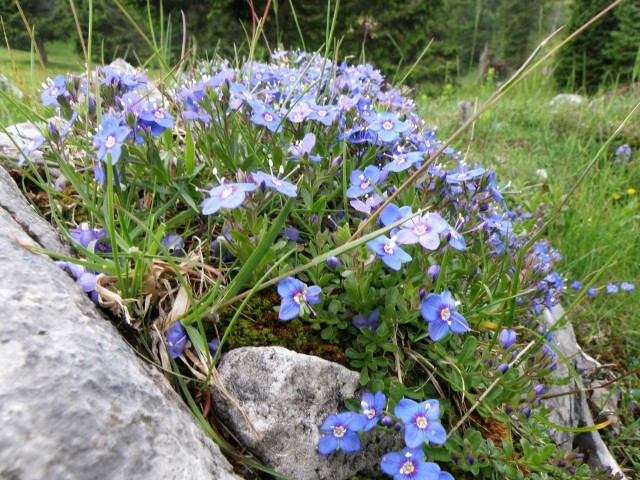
362	182
295	295
409	464
421	422
371	407
439	310
340	433
226	195
389	252
176	339
109	138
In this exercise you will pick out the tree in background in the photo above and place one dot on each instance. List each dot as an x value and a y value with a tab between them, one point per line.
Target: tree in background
48	20
624	45
587	61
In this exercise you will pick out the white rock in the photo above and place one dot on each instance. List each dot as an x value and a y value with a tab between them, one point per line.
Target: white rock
75	401
286	396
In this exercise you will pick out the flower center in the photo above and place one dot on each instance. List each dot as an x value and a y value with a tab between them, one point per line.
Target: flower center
420	229
158	114
54	91
339	431
268	117
227	191
300	297
322	113
111	141
387	125
408	467
445	314
369	413
421	422
364	182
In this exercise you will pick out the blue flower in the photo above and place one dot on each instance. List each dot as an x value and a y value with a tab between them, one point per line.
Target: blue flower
323	114
410	465
174	244
421	422
388	127
56	88
363	182
371	407
109	137
369	204
403	161
340	433
155	119
226	195
424	229
440	313
304	147
370	322
271	181
294	295
507	338
612	288
176	339
84	235
264	115
389	251
627	287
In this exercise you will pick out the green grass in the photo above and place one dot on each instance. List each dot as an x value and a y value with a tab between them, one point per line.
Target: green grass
524	134
23	70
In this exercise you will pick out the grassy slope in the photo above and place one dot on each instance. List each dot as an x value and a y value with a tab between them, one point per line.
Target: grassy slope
524	134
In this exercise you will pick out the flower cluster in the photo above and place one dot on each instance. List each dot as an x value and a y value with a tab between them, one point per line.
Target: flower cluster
294	171
421	424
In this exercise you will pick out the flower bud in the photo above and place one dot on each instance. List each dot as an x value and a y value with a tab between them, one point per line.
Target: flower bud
503	367
386	421
333	262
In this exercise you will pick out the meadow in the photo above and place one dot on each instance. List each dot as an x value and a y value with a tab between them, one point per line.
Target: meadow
538	151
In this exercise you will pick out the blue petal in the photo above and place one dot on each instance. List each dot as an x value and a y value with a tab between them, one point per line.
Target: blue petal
458	323
401	255
391	261
407	237
445	476
436	433
287	287
355	422
427	471
390	214
430	307
432	409
438	330
210	205
406	409
313	294
289	309
377	244
391	463
327	444
413	436
350	443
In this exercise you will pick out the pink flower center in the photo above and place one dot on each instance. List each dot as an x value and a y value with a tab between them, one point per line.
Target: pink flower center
369	413
299	297
420	229
421	422
364	182
339	431
158	114
408	467
227	191
445	314
268	117
322	113
111	141
387	125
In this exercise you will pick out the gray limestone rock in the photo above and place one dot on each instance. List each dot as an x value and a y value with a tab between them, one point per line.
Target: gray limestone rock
275	402
75	401
7	86
572	410
567	99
